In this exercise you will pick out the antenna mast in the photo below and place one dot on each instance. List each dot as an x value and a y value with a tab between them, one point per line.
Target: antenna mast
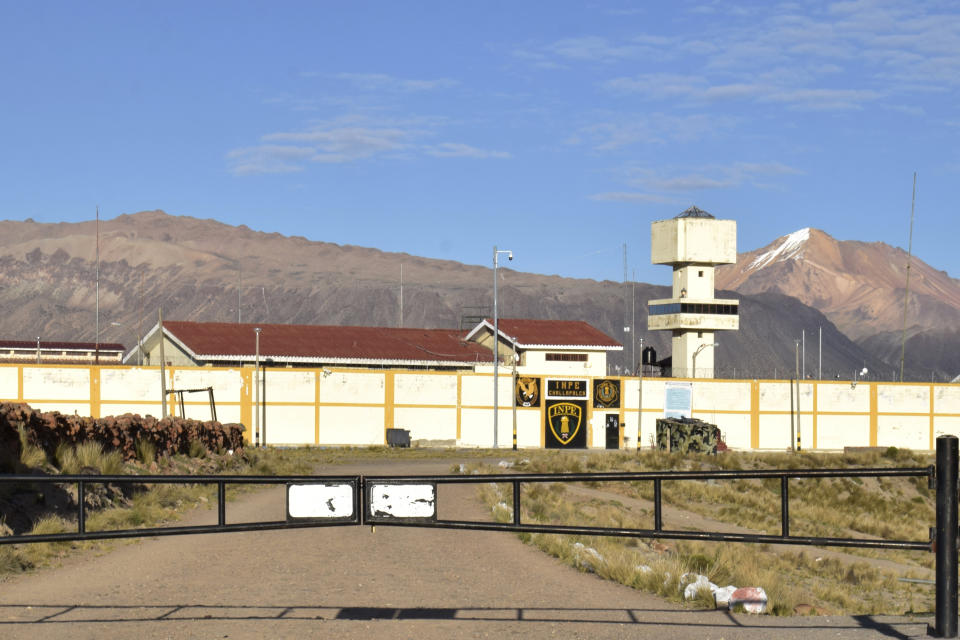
906	295
96	348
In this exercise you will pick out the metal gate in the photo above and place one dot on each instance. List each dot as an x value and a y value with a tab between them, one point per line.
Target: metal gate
411	501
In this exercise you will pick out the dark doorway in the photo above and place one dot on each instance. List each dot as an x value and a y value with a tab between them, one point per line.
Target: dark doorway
613	431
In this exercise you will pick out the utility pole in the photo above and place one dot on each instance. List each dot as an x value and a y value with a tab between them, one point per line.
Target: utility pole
163	364
640	398
797	364
96	348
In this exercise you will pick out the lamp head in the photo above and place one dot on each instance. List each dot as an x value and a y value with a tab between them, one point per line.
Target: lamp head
863	372
510	255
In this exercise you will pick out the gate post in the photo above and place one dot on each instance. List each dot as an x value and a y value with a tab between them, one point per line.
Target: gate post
945	617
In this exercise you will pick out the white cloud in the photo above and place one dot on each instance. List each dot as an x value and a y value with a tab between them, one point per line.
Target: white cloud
349	139
709	177
267	158
383	82
633	196
650	128
458	150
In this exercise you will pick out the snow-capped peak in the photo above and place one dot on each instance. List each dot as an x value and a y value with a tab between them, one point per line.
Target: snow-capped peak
791	246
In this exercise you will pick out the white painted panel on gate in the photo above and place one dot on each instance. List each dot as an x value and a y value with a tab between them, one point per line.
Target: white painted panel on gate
403	500
320	500
903	398
908	432
721	396
351	387
837	432
9	385
290	425
352	425
946	398
841	397
53	383
427	424
130	385
418	388
289	385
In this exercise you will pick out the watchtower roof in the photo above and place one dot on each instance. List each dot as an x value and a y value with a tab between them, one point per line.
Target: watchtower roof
695	212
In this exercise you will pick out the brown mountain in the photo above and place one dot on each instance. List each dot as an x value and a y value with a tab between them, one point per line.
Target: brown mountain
861	287
200	269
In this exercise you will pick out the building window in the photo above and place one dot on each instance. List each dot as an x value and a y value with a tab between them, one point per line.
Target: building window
566	357
700	274
694	307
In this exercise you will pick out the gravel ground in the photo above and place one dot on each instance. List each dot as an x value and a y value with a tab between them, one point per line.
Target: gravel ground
351	582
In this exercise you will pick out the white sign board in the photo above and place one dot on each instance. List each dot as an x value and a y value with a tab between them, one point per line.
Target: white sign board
677	401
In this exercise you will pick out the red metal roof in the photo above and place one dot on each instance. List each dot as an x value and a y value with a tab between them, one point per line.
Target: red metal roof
46	345
560	333
209	339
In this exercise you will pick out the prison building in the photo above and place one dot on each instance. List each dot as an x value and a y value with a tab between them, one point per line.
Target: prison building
225	344
51	352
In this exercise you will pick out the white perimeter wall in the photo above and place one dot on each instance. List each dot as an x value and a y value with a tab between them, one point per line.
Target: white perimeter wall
355	407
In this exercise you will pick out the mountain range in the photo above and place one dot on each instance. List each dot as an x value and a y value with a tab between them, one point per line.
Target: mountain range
205	270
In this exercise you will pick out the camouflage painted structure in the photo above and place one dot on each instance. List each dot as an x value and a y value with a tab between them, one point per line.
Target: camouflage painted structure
688	435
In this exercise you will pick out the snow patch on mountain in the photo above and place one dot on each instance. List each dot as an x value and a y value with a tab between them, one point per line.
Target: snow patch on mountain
791	247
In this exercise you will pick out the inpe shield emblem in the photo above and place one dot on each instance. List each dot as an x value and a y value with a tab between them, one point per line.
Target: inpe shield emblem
606	394
565	420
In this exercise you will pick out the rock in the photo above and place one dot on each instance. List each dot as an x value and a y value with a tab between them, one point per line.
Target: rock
752	599
587	558
659	547
805	610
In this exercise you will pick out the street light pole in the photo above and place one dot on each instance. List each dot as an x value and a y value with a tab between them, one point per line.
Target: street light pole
256	388
496	340
697	352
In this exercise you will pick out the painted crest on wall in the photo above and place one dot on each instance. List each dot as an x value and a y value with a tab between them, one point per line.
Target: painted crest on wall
528	392
565	423
606	394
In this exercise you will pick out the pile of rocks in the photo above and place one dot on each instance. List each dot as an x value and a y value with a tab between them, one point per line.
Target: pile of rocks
48	430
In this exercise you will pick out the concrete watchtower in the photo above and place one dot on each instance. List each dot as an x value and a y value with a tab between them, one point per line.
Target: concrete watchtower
693	243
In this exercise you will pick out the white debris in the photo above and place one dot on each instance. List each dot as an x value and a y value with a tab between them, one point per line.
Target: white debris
721	595
463	468
752	599
642	568
693	588
505	464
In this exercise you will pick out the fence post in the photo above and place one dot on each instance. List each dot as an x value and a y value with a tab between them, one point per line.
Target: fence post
945	617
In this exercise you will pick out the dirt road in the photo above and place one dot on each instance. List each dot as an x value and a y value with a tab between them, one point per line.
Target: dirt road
353	583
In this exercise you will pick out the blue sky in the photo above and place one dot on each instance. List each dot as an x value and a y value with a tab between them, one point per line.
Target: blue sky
558	130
